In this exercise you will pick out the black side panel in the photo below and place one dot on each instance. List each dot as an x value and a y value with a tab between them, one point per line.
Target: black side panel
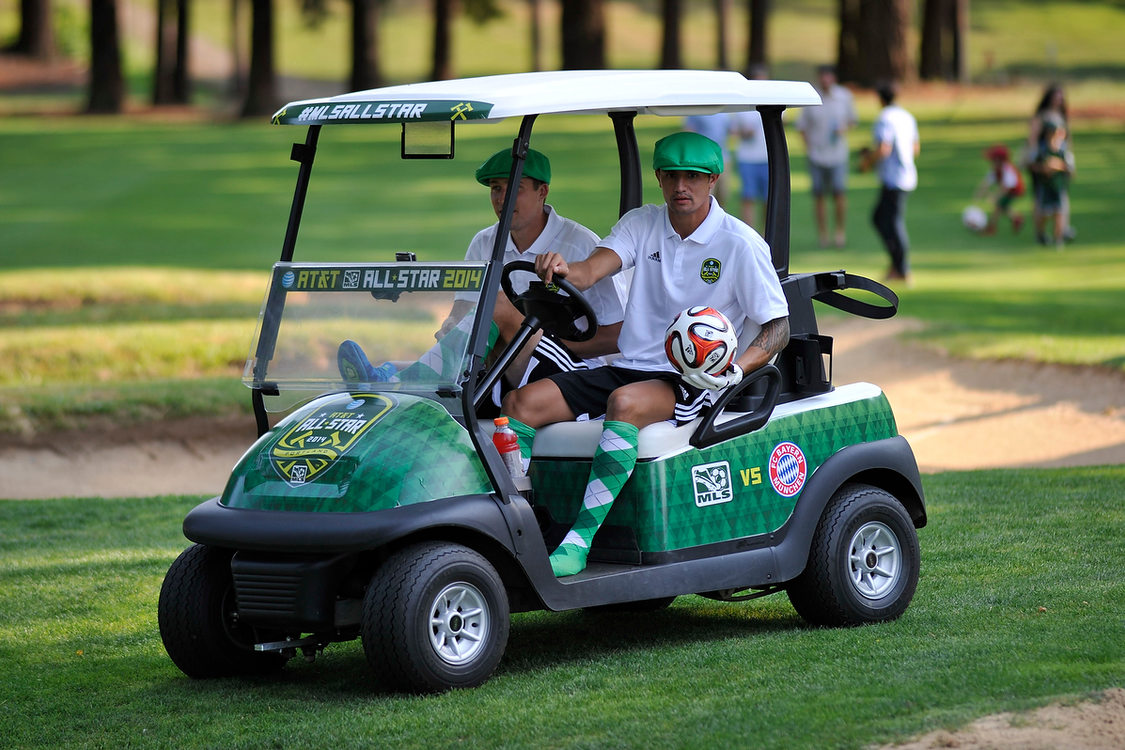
752	568
302	533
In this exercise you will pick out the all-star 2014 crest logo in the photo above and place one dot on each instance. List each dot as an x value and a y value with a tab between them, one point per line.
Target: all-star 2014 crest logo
710	270
788	469
314	443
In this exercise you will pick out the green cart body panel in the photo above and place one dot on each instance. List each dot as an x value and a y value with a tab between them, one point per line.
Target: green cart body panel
739	488
354	452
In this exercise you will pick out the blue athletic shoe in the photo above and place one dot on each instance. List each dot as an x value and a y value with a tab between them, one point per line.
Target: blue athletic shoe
355	367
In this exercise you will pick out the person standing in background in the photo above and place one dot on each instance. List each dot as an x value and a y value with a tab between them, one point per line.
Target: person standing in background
1049	113
824	130
896	145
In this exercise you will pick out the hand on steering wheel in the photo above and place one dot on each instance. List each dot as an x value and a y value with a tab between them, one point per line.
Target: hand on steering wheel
544	306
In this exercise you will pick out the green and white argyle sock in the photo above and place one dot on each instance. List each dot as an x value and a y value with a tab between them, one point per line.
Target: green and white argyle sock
442	361
612	466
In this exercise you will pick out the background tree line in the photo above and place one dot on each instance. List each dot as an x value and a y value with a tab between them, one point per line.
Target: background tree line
872	42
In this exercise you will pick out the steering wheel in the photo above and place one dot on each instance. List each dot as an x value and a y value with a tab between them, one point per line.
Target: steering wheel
554	312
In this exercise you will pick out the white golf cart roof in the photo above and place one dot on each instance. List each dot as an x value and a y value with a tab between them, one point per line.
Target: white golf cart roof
492	98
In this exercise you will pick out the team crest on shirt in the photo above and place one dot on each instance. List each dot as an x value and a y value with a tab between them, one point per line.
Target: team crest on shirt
710	270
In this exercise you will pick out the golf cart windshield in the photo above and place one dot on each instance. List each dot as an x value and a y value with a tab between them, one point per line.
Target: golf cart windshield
364	326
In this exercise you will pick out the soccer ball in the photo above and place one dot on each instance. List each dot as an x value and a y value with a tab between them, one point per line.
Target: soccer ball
974	218
701	339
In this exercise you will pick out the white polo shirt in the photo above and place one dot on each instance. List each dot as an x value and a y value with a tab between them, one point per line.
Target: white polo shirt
573	242
723	263
899	128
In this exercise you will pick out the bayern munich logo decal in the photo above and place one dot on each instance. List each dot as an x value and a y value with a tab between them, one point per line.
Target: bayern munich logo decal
788	469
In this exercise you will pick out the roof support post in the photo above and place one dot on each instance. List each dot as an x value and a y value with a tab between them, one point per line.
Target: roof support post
302	153
777	202
629	160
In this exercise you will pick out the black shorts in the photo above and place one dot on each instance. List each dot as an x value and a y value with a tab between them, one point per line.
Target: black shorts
550	357
587	392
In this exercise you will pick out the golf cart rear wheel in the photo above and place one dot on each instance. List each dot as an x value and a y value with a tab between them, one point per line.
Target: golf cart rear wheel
199	620
863	563
435	616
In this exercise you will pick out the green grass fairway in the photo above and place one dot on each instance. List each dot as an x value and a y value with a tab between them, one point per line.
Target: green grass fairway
1019	604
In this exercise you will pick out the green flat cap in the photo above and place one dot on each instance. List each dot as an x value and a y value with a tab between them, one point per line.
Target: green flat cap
537	166
688	152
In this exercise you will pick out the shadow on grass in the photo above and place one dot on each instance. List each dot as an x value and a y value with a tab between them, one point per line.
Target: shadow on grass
537	641
551	639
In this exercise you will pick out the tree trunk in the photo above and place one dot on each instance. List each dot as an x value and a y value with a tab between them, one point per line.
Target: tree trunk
162	69
261	85
944	28
171	80
583	34
107	88
365	45
722	48
181	76
237	73
931	57
756	53
884	25
849	64
536	18
442	68
959	30
36	36
670	58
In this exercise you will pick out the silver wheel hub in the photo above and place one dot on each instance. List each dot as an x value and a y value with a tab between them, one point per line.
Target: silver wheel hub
874	560
459	623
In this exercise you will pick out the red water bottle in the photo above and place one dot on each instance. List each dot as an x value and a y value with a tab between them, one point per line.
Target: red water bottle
508	446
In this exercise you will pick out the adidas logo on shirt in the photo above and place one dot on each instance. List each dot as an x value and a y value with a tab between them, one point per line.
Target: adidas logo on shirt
655	256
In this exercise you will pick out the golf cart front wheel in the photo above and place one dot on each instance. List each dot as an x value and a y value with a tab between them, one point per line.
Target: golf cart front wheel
863	563
199	620
435	617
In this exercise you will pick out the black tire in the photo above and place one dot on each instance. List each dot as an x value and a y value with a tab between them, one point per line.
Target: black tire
435	617
863	563
197	619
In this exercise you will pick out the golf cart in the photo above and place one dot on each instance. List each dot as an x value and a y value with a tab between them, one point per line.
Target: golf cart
382	510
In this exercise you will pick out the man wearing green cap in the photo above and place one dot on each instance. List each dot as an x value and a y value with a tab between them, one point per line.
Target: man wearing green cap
686	252
537	228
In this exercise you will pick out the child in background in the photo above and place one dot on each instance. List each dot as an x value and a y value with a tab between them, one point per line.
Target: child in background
1002	185
1055	165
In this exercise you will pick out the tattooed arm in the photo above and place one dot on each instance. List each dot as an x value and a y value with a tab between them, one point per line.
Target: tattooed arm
770	340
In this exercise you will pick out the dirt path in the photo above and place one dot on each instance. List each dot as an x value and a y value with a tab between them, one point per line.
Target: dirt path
956	414
1092	725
